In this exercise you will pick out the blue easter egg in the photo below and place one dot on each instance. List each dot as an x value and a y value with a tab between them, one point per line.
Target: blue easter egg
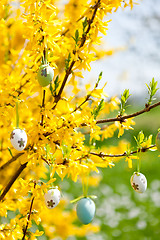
85	210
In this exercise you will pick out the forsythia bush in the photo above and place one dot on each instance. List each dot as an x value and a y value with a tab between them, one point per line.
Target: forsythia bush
43	40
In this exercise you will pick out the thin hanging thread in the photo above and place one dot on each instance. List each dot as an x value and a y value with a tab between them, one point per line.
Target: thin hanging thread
17	116
85	185
138	162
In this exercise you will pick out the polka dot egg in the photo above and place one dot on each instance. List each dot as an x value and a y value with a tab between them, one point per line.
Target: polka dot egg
52	198
139	182
18	139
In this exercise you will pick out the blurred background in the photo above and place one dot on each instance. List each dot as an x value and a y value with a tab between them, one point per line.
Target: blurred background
138	32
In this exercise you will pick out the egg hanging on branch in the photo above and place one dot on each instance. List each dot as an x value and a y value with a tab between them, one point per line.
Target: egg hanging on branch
85	210
138	182
52	198
18	139
45	75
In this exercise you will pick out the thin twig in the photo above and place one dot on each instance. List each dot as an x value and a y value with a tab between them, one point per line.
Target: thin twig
43	105
29	215
97	5
122	154
122	118
78	107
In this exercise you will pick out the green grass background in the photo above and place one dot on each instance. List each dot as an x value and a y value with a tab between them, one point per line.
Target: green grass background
122	213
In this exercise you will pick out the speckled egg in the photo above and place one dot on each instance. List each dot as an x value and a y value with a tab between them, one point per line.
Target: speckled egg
85	210
138	182
52	198
45	75
18	139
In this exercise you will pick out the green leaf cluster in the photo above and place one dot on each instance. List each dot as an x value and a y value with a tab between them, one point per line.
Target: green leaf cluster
66	150
99	79
124	98
76	37
56	85
141	139
97	109
67	61
84	23
152	89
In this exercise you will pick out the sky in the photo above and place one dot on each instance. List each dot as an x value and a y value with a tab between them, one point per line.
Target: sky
138	31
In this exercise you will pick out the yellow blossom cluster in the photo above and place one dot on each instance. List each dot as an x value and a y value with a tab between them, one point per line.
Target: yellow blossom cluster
56	118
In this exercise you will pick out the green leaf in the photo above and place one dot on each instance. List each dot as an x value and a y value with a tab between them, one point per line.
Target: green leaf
124	99
66	150
10	151
76	37
67	61
97	109
47	149
152	89
84	23
140	137
56	85
99	78
51	89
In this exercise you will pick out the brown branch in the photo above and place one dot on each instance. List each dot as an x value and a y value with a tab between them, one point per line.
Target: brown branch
97	5
78	107
13	179
45	161
122	118
122	154
69	70
11	160
67	30
29	215
118	155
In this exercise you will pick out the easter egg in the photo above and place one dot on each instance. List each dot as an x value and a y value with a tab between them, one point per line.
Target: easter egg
52	198
45	75
85	210
138	182
18	139
158	141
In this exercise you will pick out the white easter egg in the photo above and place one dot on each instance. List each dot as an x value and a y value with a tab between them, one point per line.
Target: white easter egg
18	139
139	182
52	198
